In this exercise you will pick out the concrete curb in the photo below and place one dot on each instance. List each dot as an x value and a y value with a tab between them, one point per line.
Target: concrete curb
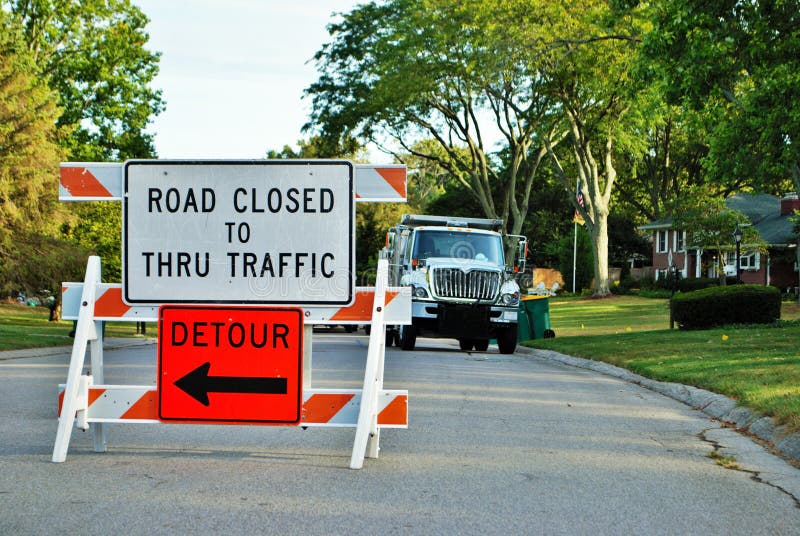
108	344
713	404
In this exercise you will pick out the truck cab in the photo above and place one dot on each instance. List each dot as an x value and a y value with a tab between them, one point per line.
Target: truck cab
461	287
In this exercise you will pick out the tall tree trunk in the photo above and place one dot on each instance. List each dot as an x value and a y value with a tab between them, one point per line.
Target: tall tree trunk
596	187
599	233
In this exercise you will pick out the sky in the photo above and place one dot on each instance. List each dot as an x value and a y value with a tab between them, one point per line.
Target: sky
232	73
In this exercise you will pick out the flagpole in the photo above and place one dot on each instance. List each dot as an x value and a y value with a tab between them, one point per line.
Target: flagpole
575	239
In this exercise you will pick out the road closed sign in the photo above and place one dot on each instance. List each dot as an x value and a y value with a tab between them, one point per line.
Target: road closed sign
234	365
247	232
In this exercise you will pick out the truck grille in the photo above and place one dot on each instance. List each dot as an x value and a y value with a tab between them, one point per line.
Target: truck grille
455	283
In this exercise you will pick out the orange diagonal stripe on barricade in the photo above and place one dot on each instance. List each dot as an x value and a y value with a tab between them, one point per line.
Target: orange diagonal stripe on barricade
80	182
321	408
110	304
94	394
144	408
395	413
395	177
362	307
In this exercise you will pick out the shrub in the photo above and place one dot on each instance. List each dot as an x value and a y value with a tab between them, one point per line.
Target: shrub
658	293
719	306
647	283
619	290
692	284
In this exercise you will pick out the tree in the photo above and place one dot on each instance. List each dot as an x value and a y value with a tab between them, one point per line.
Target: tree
535	72
93	54
676	146
709	224
319	147
406	70
428	181
29	154
588	64
32	258
740	62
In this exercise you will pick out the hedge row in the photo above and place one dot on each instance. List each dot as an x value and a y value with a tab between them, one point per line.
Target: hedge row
665	283
720	306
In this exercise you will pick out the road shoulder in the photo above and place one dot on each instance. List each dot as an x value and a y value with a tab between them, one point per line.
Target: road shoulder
718	406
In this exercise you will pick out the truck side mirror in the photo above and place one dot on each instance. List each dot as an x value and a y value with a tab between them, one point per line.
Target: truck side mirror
522	254
390	244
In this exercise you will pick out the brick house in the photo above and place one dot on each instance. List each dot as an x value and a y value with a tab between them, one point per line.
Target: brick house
769	215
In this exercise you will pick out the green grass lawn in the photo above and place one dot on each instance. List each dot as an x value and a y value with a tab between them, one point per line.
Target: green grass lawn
28	327
756	365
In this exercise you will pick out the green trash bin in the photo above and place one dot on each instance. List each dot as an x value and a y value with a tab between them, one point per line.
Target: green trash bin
534	318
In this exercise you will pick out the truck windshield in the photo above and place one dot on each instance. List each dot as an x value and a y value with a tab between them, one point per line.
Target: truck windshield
459	245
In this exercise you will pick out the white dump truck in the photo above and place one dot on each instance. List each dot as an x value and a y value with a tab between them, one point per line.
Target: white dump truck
461	286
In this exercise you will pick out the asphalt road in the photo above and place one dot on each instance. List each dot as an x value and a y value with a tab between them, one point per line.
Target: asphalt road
496	445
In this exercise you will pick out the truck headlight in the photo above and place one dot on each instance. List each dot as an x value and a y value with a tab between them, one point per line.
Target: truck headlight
419	292
509	299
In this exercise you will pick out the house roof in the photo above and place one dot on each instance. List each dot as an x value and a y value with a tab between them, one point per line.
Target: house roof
663	223
763	210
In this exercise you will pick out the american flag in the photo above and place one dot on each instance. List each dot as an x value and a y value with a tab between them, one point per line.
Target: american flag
578	218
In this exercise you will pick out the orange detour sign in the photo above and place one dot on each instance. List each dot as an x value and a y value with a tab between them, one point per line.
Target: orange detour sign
234	365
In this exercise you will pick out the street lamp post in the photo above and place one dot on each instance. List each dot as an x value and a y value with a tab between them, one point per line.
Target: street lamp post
737	237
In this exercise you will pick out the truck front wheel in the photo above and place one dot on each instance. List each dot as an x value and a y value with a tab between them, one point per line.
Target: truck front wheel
408	337
507	339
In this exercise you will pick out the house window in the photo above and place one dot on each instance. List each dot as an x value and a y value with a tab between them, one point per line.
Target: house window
680	241
750	261
747	261
661	241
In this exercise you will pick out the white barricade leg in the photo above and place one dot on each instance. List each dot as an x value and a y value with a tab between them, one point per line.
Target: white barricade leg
96	352
85	330
373	374
373	446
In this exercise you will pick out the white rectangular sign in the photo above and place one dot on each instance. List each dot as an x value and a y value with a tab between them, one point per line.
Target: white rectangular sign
260	231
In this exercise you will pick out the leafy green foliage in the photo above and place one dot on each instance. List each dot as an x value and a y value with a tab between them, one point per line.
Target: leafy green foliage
373	220
29	155
587	61
405	71
97	229
720	306
676	147
624	241
741	62
93	54
538	73
30	214
74	84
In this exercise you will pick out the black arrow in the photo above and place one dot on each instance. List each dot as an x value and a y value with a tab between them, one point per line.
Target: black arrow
198	384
